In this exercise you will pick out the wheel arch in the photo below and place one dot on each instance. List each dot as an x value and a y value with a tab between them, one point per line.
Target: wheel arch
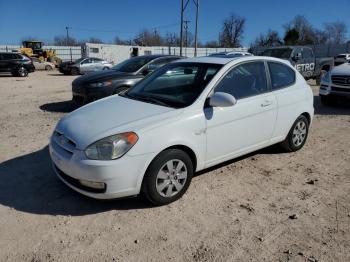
308	116
187	150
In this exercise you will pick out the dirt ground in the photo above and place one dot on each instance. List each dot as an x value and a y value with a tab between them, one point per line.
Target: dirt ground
268	206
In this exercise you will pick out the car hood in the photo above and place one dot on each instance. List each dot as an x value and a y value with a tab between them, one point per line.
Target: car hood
102	75
343	69
110	116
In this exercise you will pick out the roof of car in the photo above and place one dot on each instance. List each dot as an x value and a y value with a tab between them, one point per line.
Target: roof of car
157	56
225	60
208	59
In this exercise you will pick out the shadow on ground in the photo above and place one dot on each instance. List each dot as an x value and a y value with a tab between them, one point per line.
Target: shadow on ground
28	184
341	108
60	107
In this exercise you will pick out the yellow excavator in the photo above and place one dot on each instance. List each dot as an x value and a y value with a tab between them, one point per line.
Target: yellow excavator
35	49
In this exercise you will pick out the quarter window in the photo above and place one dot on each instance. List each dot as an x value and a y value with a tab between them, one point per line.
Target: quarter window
281	75
245	80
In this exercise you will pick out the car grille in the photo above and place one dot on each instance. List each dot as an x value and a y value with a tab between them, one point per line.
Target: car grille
63	142
75	182
339	89
341	80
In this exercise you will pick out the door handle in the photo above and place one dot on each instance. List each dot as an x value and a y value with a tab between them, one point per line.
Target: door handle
266	103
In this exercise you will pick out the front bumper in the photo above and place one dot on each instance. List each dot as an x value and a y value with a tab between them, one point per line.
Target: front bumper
334	90
122	177
83	94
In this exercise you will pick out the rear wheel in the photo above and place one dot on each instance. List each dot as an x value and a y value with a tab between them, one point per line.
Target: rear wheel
74	71
48	68
328	100
297	135
21	72
105	68
168	177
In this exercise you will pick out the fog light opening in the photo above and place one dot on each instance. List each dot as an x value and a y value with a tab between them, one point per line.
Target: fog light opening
91	184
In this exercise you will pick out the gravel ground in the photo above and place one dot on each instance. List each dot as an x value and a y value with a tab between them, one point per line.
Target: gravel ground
267	206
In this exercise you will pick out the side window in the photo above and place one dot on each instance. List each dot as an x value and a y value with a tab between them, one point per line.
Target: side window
87	61
281	75
245	80
307	53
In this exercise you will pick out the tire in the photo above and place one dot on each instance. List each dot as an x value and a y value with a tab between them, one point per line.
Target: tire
105	68
328	100
22	72
297	135
74	71
163	187
48	68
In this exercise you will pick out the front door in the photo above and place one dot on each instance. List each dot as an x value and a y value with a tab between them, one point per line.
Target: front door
86	66
249	124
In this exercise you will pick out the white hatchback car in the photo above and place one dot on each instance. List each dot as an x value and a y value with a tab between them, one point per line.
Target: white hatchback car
186	116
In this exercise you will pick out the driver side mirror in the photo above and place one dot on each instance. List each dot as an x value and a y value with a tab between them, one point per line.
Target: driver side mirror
296	57
221	99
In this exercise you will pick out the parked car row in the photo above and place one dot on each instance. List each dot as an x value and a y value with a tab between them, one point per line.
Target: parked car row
122	76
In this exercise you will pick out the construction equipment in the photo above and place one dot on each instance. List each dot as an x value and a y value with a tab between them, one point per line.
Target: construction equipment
35	49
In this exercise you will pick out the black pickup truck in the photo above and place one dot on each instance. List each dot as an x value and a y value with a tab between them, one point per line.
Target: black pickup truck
303	59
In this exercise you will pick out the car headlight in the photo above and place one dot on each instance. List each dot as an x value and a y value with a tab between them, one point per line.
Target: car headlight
111	147
326	77
101	84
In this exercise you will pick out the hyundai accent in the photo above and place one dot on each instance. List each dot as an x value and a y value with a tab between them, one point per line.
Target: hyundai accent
184	117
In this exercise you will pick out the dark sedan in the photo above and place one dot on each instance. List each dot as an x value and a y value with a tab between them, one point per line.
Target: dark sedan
122	76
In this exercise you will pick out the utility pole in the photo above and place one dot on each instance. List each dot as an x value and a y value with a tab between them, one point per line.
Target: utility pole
186	32
196	2
183	7
67	38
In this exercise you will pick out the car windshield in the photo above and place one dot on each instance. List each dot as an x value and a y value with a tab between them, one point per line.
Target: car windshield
132	65
278	52
175	85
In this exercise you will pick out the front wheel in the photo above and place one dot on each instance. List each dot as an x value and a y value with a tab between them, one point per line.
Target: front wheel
297	135
48	68
168	177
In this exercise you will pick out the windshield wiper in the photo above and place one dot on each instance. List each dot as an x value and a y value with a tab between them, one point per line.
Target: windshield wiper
152	100
148	99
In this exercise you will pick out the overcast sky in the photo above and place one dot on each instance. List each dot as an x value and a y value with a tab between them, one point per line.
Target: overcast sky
106	19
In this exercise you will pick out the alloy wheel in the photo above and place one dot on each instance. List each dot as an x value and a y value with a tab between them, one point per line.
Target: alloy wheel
171	178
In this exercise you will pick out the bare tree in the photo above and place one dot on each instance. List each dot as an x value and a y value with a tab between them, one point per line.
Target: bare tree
335	32
148	38
211	44
62	40
119	41
306	33
271	38
232	31
171	39
95	40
